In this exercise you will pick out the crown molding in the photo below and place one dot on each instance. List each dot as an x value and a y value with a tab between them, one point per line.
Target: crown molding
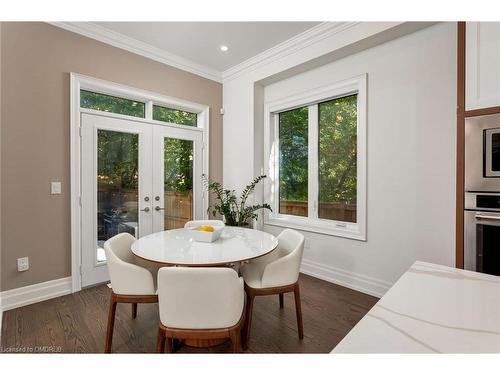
300	41
118	40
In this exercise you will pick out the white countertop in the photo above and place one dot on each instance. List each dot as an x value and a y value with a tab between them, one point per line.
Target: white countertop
178	247
431	309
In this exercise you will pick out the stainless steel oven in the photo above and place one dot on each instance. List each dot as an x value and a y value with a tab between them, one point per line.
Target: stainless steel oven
482	232
482	196
482	153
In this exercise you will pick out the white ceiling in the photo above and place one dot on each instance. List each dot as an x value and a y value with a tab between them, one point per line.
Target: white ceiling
200	41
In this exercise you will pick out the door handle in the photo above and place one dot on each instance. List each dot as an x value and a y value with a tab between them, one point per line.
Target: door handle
487	217
158	208
146	209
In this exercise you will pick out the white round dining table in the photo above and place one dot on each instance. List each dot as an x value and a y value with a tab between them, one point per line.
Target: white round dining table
177	247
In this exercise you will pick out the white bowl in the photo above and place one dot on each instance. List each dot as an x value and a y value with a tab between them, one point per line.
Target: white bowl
202	236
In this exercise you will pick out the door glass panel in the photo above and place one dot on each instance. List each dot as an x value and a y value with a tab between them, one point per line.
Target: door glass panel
178	182
117	186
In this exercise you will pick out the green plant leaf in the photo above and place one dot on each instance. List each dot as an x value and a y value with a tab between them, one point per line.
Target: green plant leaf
234	210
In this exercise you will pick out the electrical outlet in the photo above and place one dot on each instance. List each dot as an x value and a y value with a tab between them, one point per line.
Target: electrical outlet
55	187
23	264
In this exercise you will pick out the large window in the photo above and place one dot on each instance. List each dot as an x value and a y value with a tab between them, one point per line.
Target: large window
337	157
293	161
317	151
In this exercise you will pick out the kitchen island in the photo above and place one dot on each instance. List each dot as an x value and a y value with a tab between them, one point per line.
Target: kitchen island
431	309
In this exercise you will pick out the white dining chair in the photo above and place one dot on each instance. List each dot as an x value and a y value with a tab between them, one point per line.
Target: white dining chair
132	280
275	273
203	303
197	223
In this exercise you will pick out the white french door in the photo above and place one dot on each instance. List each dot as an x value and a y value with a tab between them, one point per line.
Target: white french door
137	177
177	186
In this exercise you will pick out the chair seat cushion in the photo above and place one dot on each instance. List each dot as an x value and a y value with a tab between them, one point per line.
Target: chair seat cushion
252	274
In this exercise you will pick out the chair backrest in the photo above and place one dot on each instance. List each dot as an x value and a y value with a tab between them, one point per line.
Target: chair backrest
289	241
285	269
119	246
197	223
126	277
200	298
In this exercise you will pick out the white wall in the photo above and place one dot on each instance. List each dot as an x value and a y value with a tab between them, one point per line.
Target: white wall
411	158
239	86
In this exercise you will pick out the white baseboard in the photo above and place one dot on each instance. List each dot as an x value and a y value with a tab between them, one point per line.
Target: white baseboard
27	295
362	283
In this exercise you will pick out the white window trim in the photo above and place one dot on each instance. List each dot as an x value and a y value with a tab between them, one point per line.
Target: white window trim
271	159
81	82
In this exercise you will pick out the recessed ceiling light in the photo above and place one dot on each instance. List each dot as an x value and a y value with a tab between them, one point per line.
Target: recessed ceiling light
224	48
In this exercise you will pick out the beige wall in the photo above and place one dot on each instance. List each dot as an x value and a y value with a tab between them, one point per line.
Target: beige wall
36	61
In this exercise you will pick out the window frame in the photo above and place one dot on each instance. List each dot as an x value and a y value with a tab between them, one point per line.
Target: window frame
311	98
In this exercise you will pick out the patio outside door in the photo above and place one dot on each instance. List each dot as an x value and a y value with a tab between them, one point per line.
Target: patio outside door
137	177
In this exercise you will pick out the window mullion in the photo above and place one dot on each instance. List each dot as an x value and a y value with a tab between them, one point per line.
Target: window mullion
275	154
313	162
149	110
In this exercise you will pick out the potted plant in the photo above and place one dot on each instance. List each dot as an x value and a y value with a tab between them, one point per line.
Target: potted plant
235	211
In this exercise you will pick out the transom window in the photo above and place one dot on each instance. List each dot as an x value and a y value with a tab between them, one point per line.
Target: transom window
114	104
174	116
317	151
130	107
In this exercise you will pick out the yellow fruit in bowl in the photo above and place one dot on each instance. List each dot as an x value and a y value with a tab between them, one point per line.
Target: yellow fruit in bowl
206	228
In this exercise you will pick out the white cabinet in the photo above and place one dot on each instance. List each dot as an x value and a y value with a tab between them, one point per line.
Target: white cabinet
482	83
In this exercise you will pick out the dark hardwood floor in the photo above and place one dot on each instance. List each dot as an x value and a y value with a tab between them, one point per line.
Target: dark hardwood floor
77	323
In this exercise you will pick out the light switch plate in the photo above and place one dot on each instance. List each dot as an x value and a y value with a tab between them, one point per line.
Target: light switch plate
55	187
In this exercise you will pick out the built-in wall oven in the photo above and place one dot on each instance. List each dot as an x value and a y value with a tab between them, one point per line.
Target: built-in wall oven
482	194
482	232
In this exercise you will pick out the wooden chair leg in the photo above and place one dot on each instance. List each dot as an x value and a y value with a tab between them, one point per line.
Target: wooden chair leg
298	310
248	320
281	301
111	324
235	340
134	310
170	344
160	342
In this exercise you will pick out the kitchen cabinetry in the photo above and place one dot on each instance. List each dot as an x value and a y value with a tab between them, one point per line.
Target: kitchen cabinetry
482	65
